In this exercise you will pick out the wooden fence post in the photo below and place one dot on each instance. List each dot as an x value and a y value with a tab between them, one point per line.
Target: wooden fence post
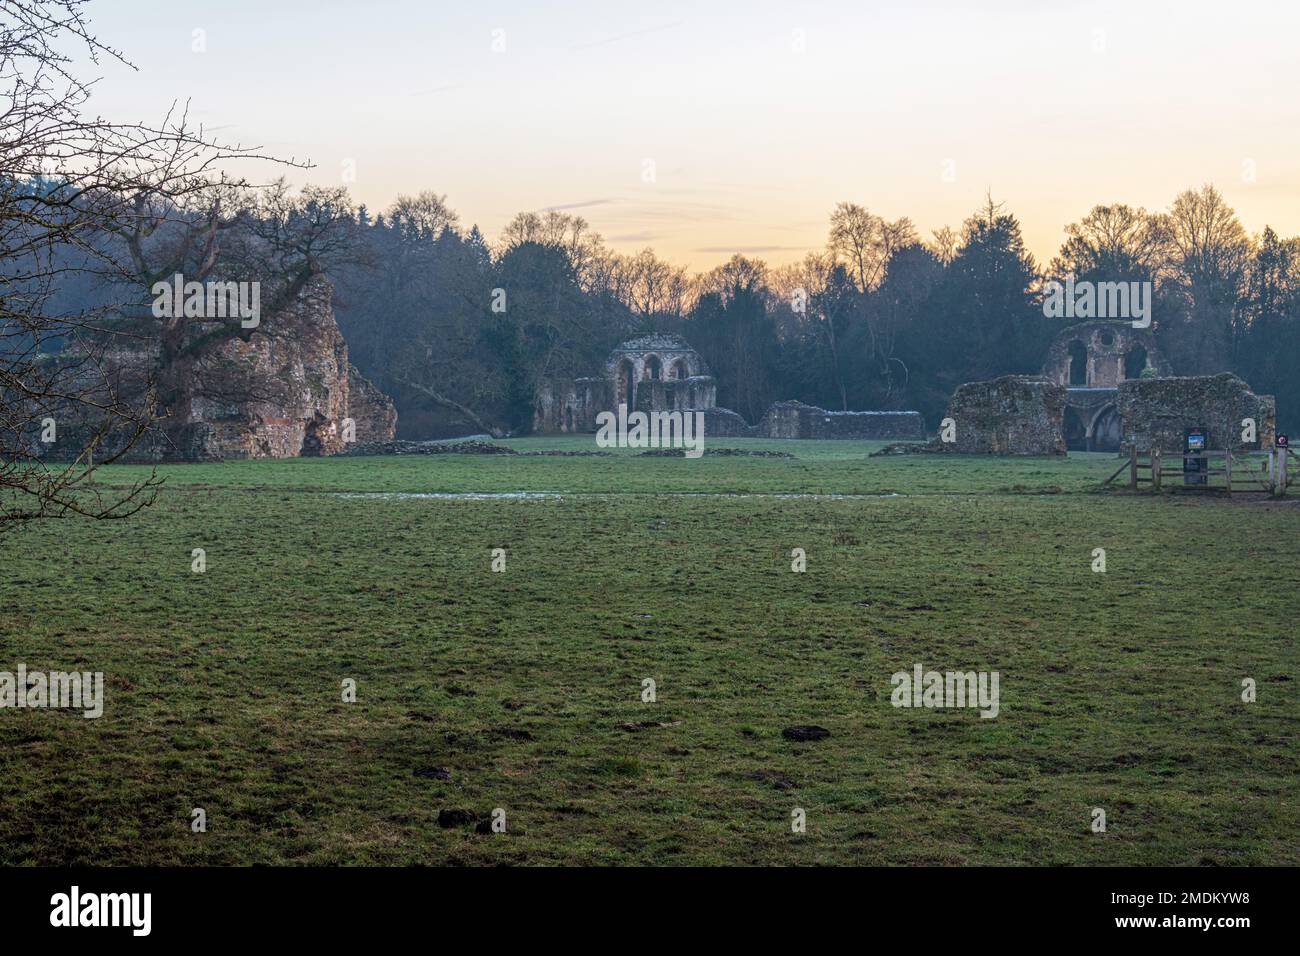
1227	470
1281	473
1133	467
1156	461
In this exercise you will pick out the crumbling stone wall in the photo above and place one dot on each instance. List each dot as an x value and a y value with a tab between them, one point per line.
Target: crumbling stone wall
797	420
676	395
571	405
1107	348
662	373
372	412
657	357
1011	415
1157	411
724	423
659	372
283	393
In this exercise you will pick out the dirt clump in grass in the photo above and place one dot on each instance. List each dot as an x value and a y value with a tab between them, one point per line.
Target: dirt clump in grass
455	818
805	732
632	726
775	778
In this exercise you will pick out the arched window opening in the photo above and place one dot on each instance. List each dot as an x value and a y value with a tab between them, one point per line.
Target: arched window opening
1076	433
626	384
1135	361
1107	430
1078	363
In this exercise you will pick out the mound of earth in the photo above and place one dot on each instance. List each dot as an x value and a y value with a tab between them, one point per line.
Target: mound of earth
471	447
908	448
565	453
720	452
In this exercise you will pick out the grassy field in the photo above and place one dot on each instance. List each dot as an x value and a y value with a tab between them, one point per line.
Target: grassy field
1119	690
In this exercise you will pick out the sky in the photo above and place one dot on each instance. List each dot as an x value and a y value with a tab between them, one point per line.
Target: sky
712	127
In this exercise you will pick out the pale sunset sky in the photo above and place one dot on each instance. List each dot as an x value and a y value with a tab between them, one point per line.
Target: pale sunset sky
753	117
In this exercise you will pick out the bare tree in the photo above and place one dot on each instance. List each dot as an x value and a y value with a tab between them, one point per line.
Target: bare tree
1211	244
809	287
427	213
1211	256
738	272
865	242
70	182
1117	241
944	244
653	287
561	230
279	240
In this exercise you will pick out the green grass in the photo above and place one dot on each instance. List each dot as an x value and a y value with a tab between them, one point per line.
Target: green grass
820	467
1118	690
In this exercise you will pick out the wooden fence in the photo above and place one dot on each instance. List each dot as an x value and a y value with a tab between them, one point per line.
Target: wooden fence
1271	470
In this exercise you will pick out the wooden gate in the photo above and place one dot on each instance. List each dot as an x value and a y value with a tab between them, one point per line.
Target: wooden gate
1272	470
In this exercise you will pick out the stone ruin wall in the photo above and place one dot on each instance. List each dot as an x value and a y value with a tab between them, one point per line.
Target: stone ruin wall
676	395
1106	346
295	391
372	411
669	354
684	384
724	423
665	375
797	420
1011	415
571	405
299	394
1156	412
296	395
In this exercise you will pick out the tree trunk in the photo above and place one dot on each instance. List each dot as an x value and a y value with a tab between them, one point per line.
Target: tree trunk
442	400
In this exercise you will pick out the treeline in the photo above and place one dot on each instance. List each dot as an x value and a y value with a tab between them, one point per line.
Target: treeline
461	331
881	318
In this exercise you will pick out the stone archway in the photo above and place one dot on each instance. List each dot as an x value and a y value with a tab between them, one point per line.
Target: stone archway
626	384
1102	354
1106	431
1135	360
1076	432
319	437
1078	374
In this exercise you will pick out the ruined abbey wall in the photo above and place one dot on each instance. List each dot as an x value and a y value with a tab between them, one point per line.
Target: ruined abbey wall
676	395
662	373
285	392
1011	415
1102	354
797	420
1156	412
